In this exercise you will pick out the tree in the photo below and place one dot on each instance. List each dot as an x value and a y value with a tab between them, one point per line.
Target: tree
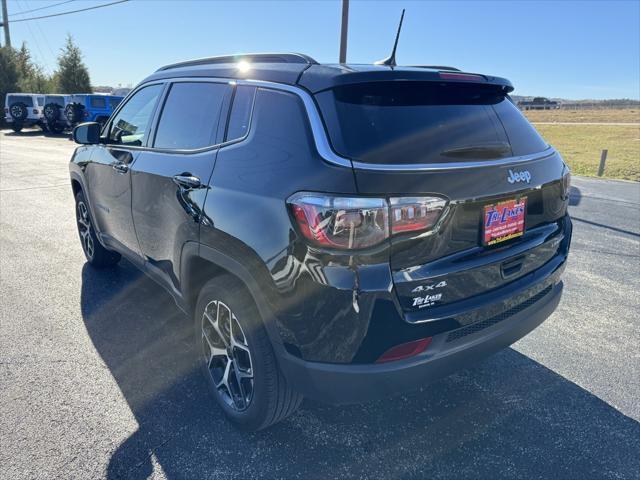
8	74
31	76
72	75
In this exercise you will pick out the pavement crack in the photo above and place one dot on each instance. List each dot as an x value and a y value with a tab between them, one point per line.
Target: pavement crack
39	187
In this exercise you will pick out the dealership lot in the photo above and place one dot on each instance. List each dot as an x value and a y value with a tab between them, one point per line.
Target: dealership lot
97	375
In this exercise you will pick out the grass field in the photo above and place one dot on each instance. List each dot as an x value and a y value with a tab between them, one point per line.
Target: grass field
581	145
595	115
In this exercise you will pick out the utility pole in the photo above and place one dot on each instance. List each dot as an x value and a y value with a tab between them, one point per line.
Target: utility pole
343	31
5	24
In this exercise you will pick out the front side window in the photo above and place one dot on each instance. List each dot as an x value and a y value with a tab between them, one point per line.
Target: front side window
98	102
191	115
131	125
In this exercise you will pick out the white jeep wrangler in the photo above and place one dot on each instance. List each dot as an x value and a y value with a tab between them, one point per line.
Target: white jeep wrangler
24	110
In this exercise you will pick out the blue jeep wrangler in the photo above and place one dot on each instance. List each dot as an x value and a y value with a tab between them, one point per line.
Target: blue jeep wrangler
87	107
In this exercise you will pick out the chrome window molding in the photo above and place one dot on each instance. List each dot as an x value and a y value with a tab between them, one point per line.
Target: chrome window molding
321	138
421	167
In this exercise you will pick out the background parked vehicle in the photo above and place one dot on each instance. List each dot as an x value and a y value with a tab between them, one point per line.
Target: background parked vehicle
87	107
538	103
24	110
54	106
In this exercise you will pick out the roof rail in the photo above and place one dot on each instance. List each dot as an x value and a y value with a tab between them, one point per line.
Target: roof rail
247	57
436	67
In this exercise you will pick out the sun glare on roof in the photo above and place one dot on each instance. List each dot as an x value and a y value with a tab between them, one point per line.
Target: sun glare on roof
244	66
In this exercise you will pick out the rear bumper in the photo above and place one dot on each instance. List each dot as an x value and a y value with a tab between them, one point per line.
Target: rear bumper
344	384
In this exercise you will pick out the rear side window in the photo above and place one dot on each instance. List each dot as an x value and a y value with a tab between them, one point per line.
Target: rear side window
191	115
40	101
416	122
240	112
98	102
114	102
28	101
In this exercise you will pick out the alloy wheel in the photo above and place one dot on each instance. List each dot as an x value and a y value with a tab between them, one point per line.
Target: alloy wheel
84	228
227	355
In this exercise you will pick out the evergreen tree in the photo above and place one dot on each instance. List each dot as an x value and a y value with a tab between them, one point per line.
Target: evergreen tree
31	77
72	75
8	74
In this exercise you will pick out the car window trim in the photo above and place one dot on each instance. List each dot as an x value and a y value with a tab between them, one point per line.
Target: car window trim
321	137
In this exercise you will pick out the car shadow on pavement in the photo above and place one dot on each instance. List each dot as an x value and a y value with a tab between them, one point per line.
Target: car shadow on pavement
508	417
575	196
24	133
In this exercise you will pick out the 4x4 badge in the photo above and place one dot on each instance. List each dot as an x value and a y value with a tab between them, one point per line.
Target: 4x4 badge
424	288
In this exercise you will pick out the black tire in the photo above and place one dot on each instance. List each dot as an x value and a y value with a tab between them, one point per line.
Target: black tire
18	111
271	399
96	254
52	113
73	113
16	128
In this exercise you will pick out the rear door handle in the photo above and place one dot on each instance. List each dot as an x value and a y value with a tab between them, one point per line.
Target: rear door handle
121	167
187	181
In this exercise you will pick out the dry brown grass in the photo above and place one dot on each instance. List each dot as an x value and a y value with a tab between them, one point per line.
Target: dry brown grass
590	115
581	146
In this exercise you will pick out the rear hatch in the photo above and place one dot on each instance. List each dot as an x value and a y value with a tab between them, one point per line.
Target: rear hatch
464	140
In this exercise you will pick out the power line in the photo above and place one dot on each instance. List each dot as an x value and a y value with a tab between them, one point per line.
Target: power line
46	40
69	12
40	8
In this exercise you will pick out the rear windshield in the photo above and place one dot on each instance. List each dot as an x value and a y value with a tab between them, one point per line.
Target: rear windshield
425	122
78	99
28	101
54	99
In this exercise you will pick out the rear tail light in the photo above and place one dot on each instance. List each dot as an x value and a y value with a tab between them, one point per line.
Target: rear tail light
6	110
86	114
405	350
351	223
566	185
413	214
339	222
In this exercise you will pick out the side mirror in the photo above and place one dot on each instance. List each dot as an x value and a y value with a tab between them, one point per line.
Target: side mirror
87	133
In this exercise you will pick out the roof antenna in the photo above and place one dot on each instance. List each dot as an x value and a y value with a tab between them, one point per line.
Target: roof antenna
390	61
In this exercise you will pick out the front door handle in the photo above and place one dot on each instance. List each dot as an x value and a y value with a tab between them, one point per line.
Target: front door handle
121	167
187	181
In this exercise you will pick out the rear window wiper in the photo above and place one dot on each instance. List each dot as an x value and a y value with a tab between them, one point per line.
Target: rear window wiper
486	150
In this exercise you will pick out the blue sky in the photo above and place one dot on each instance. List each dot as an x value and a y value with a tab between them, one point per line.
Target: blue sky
584	49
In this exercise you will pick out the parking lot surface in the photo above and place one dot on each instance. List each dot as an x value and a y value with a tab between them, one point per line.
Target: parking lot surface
97	375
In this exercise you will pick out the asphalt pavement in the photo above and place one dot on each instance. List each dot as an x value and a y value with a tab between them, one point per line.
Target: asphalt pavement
97	374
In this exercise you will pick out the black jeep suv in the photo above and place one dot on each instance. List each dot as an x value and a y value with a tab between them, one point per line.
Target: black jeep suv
341	232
